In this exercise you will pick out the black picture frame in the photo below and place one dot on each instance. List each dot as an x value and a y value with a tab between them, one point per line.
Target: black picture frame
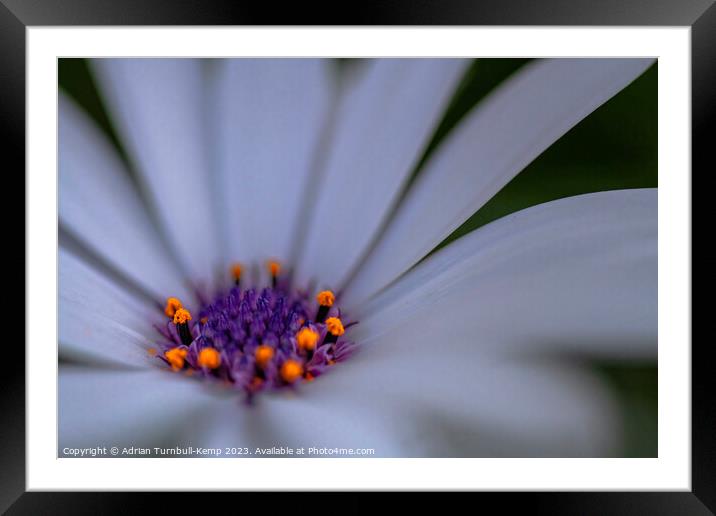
700	15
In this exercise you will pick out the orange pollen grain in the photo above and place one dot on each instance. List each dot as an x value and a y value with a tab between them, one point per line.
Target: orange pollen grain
326	298
173	304
236	270
335	326
306	339
203	320
181	316
263	355
175	357
309	377
209	357
291	371
152	352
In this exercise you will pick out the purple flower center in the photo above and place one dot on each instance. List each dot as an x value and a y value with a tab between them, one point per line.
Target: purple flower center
256	339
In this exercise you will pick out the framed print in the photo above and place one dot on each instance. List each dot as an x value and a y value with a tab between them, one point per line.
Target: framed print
404	254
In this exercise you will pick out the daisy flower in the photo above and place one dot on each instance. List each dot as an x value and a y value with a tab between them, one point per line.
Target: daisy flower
264	275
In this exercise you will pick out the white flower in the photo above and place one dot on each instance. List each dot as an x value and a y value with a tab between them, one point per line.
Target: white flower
462	354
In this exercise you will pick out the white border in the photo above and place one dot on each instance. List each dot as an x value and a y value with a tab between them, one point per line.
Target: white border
670	471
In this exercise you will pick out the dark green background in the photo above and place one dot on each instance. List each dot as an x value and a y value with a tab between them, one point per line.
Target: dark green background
613	148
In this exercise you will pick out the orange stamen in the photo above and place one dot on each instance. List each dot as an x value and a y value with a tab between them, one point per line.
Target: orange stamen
210	358
173	304
274	268
291	371
335	326
181	316
256	382
326	298
306	339
263	355
175	357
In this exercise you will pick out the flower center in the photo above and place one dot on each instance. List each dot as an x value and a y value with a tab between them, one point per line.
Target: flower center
255	340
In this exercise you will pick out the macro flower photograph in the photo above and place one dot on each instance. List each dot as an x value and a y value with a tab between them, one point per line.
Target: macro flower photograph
385	257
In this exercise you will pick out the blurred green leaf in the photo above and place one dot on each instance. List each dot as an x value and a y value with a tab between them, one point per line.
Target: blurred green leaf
635	388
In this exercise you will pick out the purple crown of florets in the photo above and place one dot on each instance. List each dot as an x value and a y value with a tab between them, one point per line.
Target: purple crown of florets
251	339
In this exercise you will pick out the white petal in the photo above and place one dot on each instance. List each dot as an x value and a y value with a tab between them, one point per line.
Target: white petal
158	107
225	423
411	399
383	125
290	420
509	129
99	320
576	275
126	408
270	114
319	417
99	205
